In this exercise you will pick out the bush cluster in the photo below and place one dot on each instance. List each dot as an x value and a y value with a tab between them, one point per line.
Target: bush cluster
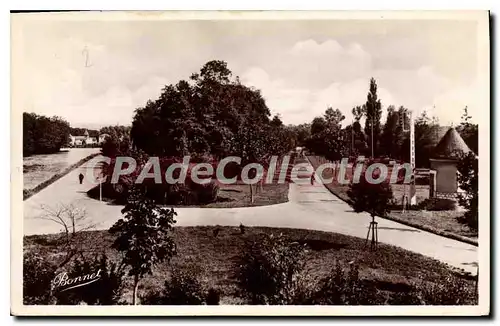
39	287
274	274
182	288
189	193
437	204
38	274
106	291
270	271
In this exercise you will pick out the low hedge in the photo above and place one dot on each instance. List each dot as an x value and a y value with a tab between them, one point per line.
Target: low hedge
27	193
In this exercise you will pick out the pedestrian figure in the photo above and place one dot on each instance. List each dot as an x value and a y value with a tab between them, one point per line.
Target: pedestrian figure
80	177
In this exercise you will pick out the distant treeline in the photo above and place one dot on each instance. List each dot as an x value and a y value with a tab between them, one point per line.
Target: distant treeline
81	132
43	135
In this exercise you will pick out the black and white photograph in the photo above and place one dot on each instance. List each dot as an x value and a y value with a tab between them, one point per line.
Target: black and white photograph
269	163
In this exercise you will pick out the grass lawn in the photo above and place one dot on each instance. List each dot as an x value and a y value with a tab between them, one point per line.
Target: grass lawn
215	259
238	195
440	221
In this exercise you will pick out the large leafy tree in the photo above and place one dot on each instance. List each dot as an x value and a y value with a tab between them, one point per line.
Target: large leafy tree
373	114
300	133
143	236
426	138
327	137
211	116
392	137
117	141
200	117
170	126
356	134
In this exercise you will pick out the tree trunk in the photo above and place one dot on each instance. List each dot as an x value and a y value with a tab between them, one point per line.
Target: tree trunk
136	287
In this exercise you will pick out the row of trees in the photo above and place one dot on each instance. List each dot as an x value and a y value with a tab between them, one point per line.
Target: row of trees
325	135
43	135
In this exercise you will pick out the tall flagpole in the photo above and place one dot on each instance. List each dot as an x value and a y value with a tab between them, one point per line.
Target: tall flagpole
413	197
352	137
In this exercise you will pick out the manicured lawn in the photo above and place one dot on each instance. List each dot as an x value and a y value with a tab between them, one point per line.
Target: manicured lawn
433	221
214	259
238	195
439	220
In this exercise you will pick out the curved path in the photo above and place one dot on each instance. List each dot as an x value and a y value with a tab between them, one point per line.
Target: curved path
310	207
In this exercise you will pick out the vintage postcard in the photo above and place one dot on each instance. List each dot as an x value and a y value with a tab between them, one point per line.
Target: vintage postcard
250	163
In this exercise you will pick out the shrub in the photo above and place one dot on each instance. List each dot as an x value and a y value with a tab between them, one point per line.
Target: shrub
213	297
106	291
206	193
468	178
406	298
437	204
341	288
372	198
38	274
165	194
182	289
270	271
452	291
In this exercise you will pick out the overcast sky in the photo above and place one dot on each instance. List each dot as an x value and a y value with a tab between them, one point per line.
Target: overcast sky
301	67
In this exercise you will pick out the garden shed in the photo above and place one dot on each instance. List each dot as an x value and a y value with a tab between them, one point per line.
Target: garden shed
443	163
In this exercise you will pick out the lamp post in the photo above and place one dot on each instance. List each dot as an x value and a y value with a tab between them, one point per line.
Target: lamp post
102	178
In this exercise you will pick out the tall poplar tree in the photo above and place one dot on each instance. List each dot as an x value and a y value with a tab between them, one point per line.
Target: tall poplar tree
373	113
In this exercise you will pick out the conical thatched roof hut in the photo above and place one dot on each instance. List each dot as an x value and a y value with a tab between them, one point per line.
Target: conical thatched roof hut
444	164
450	145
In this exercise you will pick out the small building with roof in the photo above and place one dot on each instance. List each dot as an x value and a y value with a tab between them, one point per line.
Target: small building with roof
87	138
443	163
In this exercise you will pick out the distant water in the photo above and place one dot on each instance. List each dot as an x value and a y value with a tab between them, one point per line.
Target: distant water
39	168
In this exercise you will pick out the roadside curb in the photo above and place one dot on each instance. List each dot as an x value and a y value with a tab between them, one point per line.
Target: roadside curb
27	193
414	225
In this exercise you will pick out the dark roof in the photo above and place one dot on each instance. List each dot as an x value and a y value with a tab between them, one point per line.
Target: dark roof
450	145
438	133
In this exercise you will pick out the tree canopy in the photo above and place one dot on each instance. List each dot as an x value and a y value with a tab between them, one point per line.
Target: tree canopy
43	135
211	114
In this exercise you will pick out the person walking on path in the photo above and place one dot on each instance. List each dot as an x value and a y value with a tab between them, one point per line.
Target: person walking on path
80	177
